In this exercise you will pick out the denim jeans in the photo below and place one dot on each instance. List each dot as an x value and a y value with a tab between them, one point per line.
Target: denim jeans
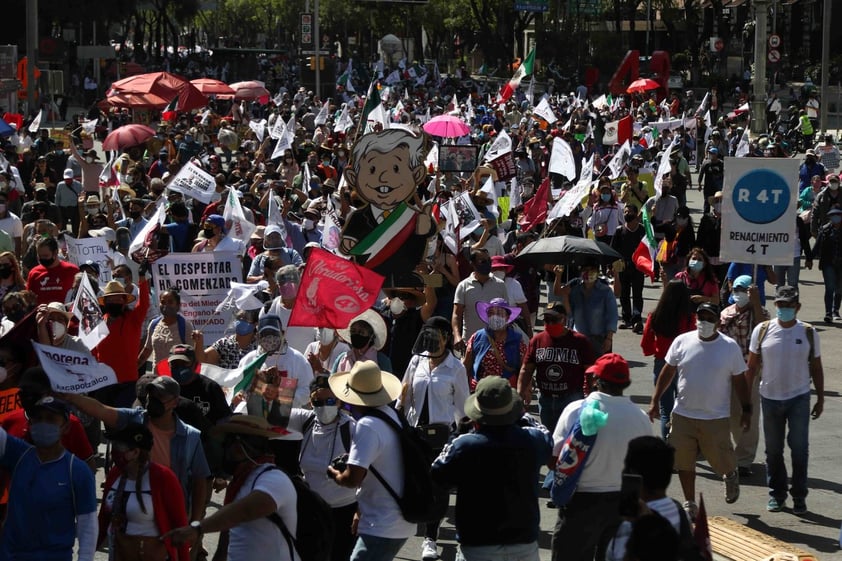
667	398
374	548
550	408
777	414
832	276
789	274
509	552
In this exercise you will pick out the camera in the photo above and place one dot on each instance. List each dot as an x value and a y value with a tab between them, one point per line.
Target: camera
339	463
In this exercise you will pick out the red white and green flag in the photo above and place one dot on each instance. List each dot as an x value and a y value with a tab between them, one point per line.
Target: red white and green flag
524	70
644	255
169	113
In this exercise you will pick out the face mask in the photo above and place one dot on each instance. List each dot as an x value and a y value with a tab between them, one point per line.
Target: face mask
606	197
288	290
833	186
717	208
397	306
326	414
5	271
785	314
496	323
308	224
58	329
706	329
629	217
326	336
527	191
16	316
113	309
483	268
208	232
681	221
47	262
168	310
68	182
835	219
695	265
243	328
135	215
270	343
155	407
44	435
273	242
89	160
182	375
360	342
740	299
590	277
92	211
554	329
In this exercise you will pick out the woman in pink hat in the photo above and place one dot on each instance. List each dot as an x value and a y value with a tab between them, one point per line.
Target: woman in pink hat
498	348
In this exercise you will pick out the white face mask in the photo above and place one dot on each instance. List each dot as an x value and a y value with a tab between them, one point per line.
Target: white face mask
89	160
740	299
308	224
397	306
707	329
499	274
496	323
833	186
92	211
58	329
326	336
326	414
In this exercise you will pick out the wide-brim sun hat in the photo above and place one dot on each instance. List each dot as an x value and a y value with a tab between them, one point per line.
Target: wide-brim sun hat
375	320
248	425
115	288
483	307
495	402
365	384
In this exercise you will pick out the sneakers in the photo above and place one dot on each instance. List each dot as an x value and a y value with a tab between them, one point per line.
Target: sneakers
732	487
429	552
638	328
836	316
745	471
828	318
692	510
799	506
775	505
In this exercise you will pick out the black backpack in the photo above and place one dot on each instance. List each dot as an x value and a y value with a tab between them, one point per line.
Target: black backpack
423	500
314	539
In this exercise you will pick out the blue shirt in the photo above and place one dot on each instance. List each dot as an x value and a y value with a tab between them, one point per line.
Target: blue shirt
44	501
595	314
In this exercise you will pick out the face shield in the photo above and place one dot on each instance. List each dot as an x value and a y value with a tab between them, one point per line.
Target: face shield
430	343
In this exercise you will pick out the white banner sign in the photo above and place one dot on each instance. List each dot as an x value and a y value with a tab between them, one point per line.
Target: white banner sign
759	203
204	280
193	181
92	326
72	371
94	249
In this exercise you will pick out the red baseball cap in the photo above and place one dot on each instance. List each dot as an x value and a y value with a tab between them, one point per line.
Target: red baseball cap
612	368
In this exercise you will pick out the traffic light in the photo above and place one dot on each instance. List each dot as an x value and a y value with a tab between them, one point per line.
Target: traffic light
313	63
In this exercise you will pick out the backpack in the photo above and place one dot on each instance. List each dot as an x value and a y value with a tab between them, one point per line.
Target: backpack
314	539
423	500
764	328
182	326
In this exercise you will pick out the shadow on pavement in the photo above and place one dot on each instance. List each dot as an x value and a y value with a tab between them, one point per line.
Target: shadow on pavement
791	536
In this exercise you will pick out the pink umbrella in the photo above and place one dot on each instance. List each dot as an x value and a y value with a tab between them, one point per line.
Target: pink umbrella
446	126
249	90
209	86
126	136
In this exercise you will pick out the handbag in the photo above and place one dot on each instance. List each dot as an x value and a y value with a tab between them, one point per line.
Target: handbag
131	548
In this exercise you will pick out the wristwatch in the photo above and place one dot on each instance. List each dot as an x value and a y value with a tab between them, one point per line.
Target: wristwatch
197	525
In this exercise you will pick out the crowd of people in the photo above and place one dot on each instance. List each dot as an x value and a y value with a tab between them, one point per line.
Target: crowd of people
458	345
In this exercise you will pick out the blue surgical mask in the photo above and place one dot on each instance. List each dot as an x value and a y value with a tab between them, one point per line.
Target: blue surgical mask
696	265
836	219
243	327
606	197
44	435
785	314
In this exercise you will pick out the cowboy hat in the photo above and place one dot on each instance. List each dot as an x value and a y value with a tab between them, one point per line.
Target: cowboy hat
115	288
377	324
248	425
495	402
365	385
482	309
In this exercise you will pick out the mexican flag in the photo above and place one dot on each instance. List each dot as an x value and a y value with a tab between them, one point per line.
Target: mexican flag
372	102
524	70
169	113
644	255
248	372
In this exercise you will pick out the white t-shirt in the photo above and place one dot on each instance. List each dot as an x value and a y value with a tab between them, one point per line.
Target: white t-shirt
293	364
604	466
785	353
138	523
12	225
516	294
376	444
261	537
704	370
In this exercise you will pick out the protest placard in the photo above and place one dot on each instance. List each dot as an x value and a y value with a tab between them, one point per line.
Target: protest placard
92	326
80	250
193	181
72	371
9	402
204	280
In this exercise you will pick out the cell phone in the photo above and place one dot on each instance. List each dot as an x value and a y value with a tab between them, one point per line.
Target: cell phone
630	495
287	193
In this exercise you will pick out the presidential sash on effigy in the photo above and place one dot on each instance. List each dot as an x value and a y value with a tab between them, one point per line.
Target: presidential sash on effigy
382	242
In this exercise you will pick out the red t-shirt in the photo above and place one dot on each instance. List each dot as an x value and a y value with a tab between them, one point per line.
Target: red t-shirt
121	346
560	363
51	285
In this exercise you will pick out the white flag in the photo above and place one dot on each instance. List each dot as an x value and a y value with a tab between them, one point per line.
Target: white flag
107	172
432	158
89	127
572	198
743	148
157	218
321	118
274	216
344	122
92	326
236	224
259	128
73	371
562	161
501	146
544	110
530	91
36	123
618	161
393	78
491	193
703	104
664	168
278	128
377	115
514	194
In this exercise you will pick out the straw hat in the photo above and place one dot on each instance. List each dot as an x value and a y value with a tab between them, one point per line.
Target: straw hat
115	288
377	324
365	385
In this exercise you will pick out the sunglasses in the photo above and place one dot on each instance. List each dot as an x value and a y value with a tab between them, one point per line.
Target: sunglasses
323	402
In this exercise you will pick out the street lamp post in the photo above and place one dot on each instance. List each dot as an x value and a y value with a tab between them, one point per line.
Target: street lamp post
825	94
31	52
758	105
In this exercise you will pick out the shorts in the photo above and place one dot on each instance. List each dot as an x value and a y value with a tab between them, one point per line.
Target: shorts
710	436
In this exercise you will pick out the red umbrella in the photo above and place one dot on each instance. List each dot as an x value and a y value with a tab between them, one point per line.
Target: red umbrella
209	86
642	85
126	136
249	90
446	126
164	85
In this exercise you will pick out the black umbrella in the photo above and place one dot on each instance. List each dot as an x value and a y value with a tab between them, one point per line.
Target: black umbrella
561	250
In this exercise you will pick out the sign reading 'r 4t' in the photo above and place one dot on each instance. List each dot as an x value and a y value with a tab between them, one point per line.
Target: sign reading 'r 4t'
761	196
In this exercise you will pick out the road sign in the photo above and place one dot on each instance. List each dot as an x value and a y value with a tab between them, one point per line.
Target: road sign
774	55
759	210
306	31
774	41
716	44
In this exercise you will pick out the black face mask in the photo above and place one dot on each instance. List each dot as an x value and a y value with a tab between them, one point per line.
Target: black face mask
5	271
135	215
28	398
47	262
114	310
208	232
229	464
360	341
155	407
